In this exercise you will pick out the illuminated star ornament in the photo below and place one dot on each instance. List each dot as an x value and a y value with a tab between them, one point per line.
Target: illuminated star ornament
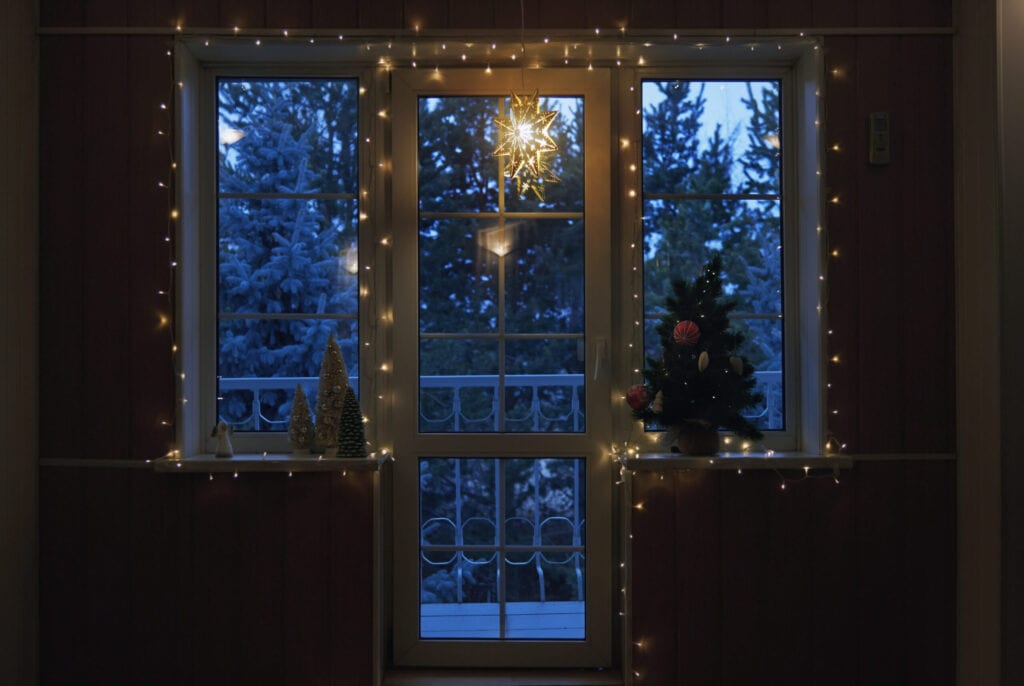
523	137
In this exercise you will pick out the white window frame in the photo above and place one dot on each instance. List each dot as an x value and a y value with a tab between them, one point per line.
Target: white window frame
801	432
200	67
410	444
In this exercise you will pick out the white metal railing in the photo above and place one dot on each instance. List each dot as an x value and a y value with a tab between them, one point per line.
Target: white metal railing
455	415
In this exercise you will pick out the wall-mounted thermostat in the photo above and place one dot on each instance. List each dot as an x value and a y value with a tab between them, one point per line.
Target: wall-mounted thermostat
878	138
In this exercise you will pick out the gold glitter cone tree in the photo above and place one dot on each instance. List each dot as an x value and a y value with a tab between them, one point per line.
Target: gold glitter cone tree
300	425
330	395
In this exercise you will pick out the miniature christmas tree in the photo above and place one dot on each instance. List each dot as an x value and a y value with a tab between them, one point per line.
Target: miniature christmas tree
300	427
351	438
330	394
700	383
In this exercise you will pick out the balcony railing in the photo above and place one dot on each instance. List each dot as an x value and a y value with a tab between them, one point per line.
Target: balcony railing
768	415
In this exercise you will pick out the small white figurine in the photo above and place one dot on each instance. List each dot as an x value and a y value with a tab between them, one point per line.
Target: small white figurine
223	433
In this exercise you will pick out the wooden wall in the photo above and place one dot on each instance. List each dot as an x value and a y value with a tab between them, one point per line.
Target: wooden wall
151	578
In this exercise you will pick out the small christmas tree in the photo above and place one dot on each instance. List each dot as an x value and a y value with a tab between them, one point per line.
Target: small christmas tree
330	394
351	438
300	426
701	382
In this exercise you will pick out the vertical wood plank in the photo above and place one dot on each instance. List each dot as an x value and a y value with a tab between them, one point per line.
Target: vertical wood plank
698	14
149	361
427	14
604	13
925	126
62	168
791	14
788	602
381	14
353	577
841	182
216	570
159	539
882	582
289	14
653	562
246	14
560	15
828	13
105	254
881	298
343	14
746	584
470	14
106	13
152	13
308	582
832	580
61	13
645	14
698	577
61	581
930	559
508	16
261	583
196	13
744	14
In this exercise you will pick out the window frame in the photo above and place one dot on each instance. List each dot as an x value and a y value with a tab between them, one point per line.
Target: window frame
201	68
788	438
408	649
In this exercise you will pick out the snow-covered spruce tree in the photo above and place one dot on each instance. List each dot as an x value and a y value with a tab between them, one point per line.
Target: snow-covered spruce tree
300	426
700	382
330	395
351	437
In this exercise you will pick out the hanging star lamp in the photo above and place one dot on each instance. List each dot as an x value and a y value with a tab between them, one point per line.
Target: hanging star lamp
524	138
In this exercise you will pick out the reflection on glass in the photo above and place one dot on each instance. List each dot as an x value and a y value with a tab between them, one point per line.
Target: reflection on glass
535	531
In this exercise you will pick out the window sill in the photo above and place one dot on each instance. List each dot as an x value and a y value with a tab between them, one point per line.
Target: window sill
269	463
503	678
659	462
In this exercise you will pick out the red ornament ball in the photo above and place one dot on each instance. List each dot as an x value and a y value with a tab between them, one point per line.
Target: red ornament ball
686	333
638	397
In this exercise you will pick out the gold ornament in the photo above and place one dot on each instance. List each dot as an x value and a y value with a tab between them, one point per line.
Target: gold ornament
703	360
523	138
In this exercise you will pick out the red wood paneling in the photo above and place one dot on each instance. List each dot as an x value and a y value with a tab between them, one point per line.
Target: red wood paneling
62	361
698	14
605	13
842	235
791	14
61	12
470	14
507	15
289	14
646	14
381	14
427	14
149	372
246	14
828	13
342	14
744	14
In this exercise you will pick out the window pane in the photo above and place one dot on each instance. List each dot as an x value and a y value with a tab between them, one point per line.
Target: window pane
288	255
711	137
535	528
287	136
458	173
680	236
261	360
502	275
287	238
544	276
712	186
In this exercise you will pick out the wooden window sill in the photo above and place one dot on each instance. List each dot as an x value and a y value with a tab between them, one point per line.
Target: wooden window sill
269	462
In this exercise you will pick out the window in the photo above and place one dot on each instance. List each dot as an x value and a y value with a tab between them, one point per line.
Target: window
502	511
492	333
712	183
287	242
